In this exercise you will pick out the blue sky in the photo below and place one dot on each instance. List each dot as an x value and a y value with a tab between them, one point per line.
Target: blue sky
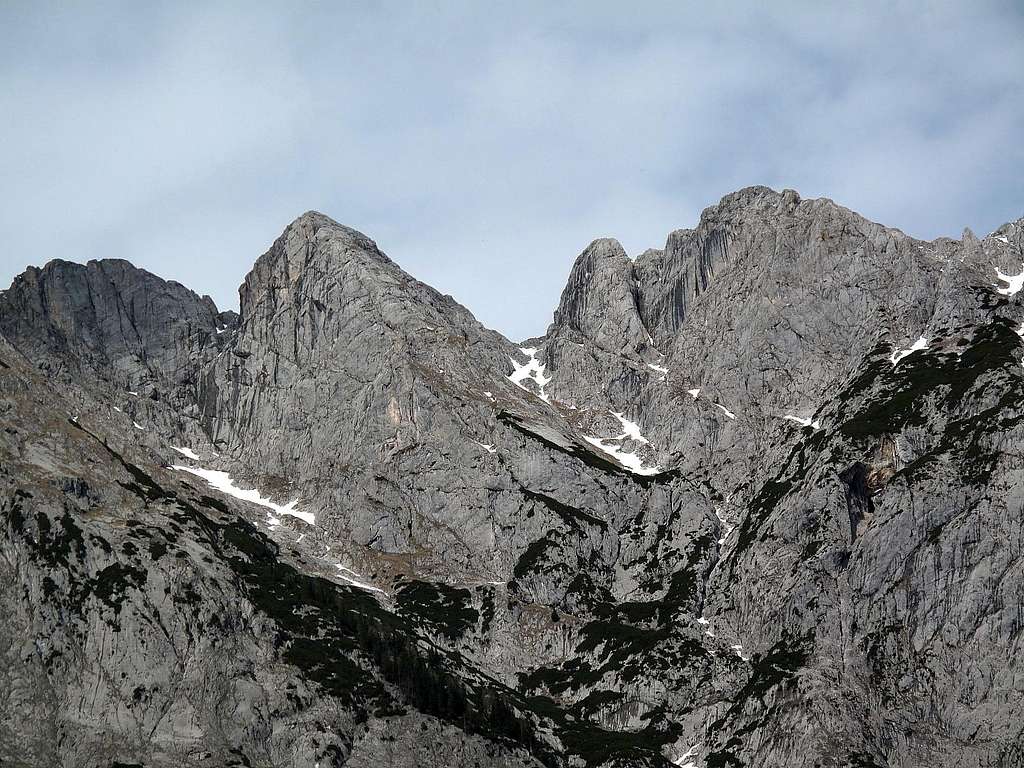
484	145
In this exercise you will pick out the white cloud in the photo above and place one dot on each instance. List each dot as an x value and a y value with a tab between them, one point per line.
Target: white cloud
483	147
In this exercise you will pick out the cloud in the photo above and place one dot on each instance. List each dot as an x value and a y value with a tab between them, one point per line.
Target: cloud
483	146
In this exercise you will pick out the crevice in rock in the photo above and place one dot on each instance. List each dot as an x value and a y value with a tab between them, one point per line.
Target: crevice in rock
856	479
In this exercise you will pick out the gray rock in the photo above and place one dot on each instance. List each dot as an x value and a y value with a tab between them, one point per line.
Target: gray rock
576	557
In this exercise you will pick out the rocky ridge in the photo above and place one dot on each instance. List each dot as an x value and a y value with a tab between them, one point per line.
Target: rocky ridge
753	499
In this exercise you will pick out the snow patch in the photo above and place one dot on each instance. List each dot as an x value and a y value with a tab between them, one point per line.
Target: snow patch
630	429
117	409
899	354
739	652
631	461
354	581
693	392
1014	282
1002	239
486	447
659	368
188	453
725	410
222	482
728	528
533	370
137	425
684	761
815	424
133	394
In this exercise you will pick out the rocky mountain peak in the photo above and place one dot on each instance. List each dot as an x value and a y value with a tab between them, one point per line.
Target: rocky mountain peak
756	197
107	314
599	300
312	249
320	275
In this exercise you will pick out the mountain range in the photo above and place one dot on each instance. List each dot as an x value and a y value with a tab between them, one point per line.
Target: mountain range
754	499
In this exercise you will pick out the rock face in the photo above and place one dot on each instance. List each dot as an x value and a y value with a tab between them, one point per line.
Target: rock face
755	499
111	318
602	300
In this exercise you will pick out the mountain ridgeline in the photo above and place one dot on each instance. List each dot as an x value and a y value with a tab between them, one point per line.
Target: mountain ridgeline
753	500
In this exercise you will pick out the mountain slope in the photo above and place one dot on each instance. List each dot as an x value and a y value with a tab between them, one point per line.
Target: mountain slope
752	500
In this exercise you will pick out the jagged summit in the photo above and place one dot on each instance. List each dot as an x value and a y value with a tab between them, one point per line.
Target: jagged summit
313	242
757	196
311	222
315	262
316	218
104	313
318	245
602	277
120	272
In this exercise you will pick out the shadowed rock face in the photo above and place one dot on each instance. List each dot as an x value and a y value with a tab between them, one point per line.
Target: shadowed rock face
754	498
109	316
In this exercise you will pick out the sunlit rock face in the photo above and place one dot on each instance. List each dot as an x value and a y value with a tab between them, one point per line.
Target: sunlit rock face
754	499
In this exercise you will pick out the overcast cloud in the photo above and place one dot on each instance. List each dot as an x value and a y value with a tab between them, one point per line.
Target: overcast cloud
484	145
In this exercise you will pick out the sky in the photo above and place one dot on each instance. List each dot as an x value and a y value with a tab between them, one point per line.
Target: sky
484	145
